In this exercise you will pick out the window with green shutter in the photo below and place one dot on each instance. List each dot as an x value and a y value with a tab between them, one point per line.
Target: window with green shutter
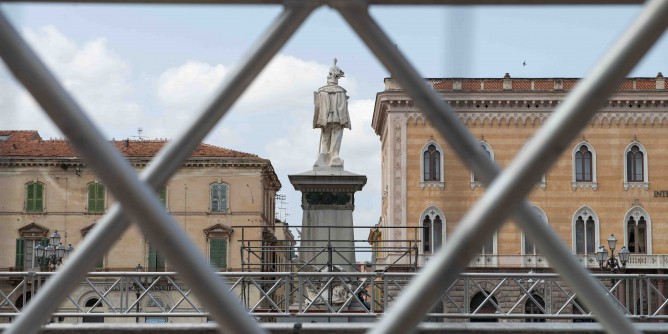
156	261
218	253
25	256
162	196
219	197
34	197
95	197
20	244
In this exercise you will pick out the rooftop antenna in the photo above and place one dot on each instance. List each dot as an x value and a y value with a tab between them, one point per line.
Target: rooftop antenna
282	210
139	132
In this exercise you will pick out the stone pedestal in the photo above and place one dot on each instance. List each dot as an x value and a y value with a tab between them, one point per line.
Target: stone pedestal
328	201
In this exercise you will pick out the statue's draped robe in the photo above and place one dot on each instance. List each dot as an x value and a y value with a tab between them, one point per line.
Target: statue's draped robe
331	106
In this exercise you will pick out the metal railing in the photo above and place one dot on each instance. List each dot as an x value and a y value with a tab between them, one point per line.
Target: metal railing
263	254
504	197
277	296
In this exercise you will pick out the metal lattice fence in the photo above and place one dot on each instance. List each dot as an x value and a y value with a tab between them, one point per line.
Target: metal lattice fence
505	196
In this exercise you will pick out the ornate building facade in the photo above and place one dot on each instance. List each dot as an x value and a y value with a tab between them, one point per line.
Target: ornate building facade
610	180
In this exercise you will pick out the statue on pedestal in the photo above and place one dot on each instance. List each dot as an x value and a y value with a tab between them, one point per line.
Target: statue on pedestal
331	116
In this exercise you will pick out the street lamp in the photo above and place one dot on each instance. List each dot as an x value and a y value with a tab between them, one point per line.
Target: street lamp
612	262
53	253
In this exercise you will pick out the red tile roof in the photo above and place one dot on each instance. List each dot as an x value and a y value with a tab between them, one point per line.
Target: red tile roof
30	144
507	83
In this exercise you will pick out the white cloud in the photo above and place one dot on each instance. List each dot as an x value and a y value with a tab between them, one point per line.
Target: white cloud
187	87
97	78
273	118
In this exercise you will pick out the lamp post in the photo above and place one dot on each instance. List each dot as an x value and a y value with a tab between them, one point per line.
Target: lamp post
613	263
51	255
138	284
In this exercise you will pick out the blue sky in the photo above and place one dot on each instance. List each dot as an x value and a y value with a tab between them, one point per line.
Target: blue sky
154	67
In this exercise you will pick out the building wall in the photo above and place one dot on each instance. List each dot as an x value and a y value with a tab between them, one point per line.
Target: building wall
505	119
187	200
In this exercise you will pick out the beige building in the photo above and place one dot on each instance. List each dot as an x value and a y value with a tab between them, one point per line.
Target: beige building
223	200
611	180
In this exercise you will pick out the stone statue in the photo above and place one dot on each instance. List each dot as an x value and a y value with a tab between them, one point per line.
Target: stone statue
331	116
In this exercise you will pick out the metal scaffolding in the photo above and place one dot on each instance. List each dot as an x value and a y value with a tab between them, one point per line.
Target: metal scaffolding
505	195
362	296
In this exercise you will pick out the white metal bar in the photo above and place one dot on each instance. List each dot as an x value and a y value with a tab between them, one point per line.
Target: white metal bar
502	197
371	2
27	67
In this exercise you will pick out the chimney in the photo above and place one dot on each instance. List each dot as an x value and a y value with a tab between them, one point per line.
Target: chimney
507	82
660	81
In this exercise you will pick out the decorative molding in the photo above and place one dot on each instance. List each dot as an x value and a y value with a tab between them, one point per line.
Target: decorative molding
636	185
535	118
33	231
397	152
328	198
476	184
636	203
218	231
432	184
584	185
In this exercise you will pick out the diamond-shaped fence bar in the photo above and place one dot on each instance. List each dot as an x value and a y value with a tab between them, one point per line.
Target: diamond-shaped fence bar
504	195
135	197
510	189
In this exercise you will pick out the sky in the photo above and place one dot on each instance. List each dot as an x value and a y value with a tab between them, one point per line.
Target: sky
156	67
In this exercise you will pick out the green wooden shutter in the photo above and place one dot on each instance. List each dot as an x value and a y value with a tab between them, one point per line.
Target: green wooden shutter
218	253
91	197
162	196
151	257
214	198
20	249
99	197
30	197
96	197
100	263
156	262
39	197
159	261
214	253
223	197
223	253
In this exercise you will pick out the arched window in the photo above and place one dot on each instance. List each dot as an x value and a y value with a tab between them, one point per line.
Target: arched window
431	162
534	306
475	182
489	306
584	166
34	197
488	246
433	230
96	197
528	246
219	197
637	231
93	305
635	167
585	231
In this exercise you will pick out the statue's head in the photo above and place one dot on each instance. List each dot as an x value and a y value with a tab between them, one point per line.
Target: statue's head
334	74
